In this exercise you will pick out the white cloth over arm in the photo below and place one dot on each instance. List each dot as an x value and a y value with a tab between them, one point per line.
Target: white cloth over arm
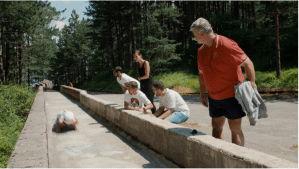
251	101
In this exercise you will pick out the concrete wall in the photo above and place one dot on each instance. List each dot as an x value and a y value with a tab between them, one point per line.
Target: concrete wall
175	141
75	93
31	149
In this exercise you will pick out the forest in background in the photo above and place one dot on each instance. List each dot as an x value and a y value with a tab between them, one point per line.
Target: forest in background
87	50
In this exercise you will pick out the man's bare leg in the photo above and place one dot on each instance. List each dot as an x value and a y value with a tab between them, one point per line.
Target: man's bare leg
236	130
217	124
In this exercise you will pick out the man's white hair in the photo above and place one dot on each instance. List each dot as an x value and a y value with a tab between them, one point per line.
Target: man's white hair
202	25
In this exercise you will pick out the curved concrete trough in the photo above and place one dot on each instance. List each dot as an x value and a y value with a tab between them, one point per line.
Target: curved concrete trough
175	141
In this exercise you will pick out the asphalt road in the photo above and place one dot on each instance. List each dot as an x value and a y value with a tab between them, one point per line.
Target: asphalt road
276	135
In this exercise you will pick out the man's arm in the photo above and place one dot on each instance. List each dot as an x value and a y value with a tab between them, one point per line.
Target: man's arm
127	106
166	114
159	111
202	86
249	71
149	106
161	108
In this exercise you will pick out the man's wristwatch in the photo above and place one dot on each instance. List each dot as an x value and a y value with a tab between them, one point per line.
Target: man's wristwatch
144	109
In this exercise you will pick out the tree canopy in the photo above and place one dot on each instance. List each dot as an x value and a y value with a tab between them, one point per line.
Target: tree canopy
88	49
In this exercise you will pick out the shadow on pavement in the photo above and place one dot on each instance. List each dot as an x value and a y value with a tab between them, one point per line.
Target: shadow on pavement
187	132
59	130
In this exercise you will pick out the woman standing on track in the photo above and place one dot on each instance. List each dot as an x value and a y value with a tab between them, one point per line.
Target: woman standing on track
145	77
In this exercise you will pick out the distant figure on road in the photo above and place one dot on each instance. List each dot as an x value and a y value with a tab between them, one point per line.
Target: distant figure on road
177	110
219	63
71	84
123	79
136	100
65	119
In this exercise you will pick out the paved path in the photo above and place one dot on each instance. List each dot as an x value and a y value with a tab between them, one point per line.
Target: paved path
95	144
276	135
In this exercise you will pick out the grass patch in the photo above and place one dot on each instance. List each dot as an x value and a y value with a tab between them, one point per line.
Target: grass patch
288	79
171	80
15	104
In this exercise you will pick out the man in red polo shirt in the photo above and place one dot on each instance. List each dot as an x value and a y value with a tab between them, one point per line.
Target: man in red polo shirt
219	63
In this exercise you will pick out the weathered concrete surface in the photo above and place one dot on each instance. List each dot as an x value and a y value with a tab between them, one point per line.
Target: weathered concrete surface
177	143
96	143
31	149
276	135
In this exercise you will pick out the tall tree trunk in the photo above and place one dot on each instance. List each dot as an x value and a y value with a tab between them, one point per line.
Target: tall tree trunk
16	61
146	45
7	60
231	6
111	47
28	62
20	59
204	9
79	74
111	40
65	79
236	9
84	71
131	40
209	10
243	15
218	7
28	72
68	78
253	15
276	18
2	72
119	54
223	7
190	20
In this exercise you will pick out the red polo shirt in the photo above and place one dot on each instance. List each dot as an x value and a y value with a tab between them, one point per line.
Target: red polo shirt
220	65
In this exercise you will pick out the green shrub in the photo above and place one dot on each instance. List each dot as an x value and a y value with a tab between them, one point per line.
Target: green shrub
105	84
179	79
288	79
15	103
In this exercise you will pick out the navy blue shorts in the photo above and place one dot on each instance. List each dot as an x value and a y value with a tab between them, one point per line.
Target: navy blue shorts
230	108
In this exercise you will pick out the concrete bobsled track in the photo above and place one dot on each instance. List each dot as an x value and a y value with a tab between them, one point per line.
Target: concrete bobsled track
95	145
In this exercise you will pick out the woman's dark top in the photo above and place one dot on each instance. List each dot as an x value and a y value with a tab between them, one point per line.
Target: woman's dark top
141	71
